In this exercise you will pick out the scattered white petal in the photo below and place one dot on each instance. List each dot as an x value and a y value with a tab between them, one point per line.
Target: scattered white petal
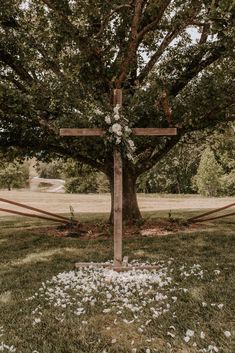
190	333
202	335
227	334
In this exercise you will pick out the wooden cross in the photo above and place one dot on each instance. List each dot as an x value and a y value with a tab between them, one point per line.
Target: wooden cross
119	263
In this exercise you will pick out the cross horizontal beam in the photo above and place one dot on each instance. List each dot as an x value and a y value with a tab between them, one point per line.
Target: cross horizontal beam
171	131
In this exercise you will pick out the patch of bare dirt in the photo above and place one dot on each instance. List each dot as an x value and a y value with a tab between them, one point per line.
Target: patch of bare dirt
85	231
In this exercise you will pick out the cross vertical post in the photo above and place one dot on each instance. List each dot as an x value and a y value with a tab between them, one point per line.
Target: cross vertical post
118	194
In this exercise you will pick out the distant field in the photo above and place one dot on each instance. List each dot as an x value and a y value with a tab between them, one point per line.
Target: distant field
100	203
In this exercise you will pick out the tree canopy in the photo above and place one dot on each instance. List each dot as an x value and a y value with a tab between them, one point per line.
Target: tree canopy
61	59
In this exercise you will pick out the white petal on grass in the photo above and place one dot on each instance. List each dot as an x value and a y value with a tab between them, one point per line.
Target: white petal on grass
216	272
133	296
190	333
227	334
202	335
212	349
106	310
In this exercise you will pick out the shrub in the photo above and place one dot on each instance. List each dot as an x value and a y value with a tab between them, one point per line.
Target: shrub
14	175
207	181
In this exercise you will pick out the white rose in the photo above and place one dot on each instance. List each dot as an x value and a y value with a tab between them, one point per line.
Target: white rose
118	140
130	157
116	109
116	117
107	120
117	129
131	143
127	129
98	111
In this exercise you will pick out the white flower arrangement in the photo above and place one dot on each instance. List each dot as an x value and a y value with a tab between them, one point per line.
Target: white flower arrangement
119	133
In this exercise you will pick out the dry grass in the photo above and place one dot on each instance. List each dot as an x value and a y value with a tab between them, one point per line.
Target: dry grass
100	203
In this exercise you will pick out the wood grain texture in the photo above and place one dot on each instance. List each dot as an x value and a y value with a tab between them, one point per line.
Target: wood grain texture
136	131
117	97
117	222
171	131
82	132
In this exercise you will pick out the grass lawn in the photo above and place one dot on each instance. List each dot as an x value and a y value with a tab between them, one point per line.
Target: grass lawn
46	306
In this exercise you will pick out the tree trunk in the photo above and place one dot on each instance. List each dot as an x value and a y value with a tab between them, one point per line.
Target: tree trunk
131	212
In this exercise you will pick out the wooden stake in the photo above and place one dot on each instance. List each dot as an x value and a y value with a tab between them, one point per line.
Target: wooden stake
192	219
35	209
118	191
32	215
212	218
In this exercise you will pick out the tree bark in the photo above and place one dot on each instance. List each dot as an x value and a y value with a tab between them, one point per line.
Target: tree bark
131	212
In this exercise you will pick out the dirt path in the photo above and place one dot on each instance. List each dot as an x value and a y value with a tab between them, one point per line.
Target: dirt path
101	203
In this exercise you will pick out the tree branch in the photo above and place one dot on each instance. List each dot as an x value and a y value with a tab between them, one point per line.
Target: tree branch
137	36
186	19
18	84
16	66
195	67
73	29
206	25
60	13
106	19
153	25
209	119
166	107
57	149
165	43
78	157
133	44
148	163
